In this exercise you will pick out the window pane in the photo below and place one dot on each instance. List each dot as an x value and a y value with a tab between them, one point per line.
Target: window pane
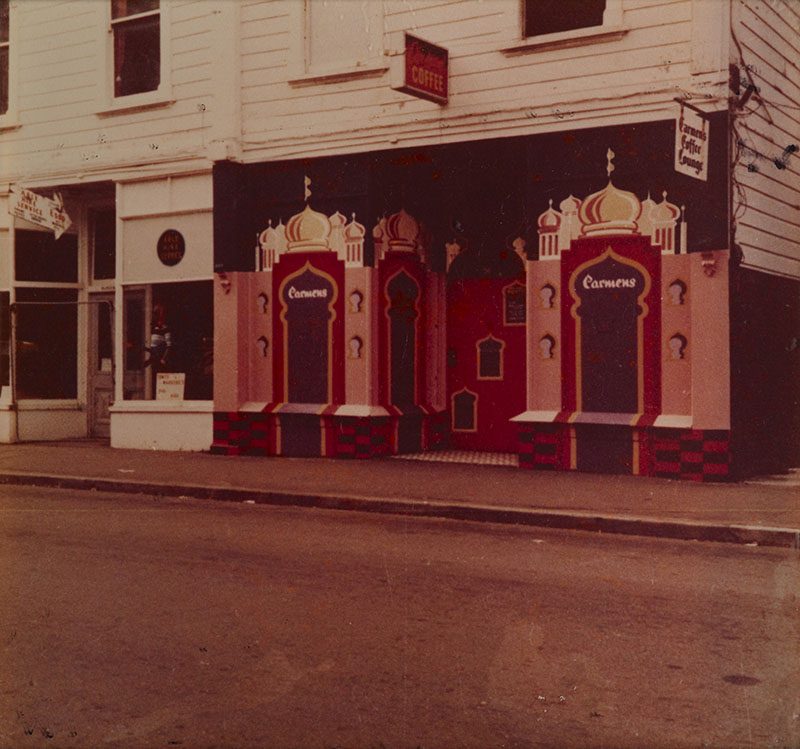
489	362
464	412
5	336
180	339
39	256
104	244
122	8
134	342
514	311
343	33
47	343
3	80
3	20
104	341
137	56
551	16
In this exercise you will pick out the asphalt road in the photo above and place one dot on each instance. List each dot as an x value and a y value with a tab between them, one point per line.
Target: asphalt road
131	621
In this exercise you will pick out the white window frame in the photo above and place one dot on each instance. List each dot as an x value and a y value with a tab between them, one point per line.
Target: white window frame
10	119
303	72
611	29
162	96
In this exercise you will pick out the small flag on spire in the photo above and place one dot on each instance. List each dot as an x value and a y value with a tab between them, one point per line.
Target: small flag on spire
306	186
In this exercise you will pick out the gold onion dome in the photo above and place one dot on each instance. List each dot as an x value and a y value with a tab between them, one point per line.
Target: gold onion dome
550	220
570	205
665	212
610	211
308	230
354	230
402	230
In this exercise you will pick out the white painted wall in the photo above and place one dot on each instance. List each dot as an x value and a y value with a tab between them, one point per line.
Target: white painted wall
156	428
63	124
146	208
498	84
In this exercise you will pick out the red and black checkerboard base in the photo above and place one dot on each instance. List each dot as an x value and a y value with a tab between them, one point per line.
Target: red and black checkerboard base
696	455
308	435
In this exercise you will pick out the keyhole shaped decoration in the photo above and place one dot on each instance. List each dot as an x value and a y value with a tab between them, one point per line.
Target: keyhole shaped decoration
677	347
356	299
547	345
261	303
677	293
263	345
355	344
546	295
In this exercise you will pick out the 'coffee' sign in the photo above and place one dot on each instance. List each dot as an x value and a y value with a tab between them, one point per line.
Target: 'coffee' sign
425	73
691	144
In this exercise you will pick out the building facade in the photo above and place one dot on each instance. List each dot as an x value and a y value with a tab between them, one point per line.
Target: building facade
299	229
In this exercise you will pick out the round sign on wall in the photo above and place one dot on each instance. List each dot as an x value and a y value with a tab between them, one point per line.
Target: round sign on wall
171	247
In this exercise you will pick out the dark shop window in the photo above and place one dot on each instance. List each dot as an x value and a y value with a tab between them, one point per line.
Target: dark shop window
47	343
180	338
39	256
104	249
137	46
552	16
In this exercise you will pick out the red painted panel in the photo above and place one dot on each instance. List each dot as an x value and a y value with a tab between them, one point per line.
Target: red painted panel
474	313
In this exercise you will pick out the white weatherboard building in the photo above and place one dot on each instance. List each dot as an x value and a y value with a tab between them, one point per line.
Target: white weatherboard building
175	132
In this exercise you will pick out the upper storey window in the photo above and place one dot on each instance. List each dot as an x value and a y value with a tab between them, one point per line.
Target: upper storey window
557	24
136	25
4	61
554	16
337	38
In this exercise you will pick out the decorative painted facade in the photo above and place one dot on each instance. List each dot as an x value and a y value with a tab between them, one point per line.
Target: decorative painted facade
456	256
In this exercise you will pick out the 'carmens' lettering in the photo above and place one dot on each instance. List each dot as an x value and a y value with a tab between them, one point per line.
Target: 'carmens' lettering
608	283
307	293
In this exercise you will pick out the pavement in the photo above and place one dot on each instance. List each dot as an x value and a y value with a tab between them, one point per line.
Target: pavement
763	512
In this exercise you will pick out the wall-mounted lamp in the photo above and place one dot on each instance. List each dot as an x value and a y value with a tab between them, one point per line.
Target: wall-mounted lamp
709	263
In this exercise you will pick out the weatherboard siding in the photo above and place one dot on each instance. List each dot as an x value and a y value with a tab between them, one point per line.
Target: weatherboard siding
492	92
766	44
63	123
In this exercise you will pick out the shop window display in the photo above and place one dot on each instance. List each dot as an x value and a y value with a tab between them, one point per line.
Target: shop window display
47	343
178	339
39	256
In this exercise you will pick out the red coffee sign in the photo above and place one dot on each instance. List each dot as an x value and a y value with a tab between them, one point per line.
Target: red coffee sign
426	70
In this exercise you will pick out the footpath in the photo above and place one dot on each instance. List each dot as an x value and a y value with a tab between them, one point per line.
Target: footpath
763	512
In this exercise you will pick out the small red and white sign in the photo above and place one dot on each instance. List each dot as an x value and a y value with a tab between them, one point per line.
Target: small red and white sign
170	386
425	73
37	209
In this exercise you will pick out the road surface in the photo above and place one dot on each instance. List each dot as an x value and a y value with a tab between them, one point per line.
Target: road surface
132	621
